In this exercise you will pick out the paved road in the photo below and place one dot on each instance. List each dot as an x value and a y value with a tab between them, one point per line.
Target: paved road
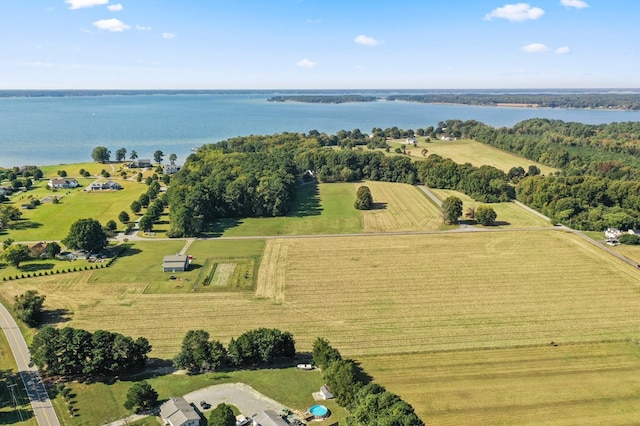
40	402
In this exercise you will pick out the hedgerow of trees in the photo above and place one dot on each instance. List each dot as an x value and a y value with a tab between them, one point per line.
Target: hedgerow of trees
368	404
71	352
255	347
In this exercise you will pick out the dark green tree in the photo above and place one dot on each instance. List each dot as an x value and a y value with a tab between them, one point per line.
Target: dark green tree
133	155
341	377
198	354
451	209
136	206
323	353
111	225
101	154
141	396
630	239
146	223
222	415
173	158
86	234
364	199
157	156
28	307
121	154
16	254
123	217
485	215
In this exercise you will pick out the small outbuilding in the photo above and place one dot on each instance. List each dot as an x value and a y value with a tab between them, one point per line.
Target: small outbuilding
175	263
325	392
178	412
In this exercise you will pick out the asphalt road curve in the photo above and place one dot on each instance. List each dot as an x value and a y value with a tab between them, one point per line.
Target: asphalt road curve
40	402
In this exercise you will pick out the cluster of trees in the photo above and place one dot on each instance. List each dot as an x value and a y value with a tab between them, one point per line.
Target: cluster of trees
368	404
8	216
255	176
260	346
153	202
486	183
141	397
86	234
566	100
584	202
28	307
75	352
17	172
102	154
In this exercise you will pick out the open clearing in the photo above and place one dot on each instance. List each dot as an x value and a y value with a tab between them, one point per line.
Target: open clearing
593	384
399	207
476	153
381	295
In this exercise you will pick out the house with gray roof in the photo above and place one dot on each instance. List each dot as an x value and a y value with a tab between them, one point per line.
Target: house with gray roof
268	418
178	412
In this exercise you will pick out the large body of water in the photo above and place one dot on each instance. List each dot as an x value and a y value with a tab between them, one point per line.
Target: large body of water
59	130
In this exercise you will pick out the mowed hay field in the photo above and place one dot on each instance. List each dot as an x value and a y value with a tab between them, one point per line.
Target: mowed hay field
381	294
476	153
584	384
399	207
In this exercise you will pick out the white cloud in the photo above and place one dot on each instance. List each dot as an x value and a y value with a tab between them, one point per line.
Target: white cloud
168	36
39	64
578	4
515	12
142	28
535	48
115	7
305	63
564	50
367	41
113	25
80	4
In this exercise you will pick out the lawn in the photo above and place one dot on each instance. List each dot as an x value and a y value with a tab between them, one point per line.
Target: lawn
508	214
318	209
99	402
586	384
476	153
52	221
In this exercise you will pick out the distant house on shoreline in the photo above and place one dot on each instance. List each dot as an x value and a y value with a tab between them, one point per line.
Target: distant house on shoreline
170	169
140	164
60	183
104	186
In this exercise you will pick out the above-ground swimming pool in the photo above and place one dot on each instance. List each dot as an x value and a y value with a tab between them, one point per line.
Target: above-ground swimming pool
319	411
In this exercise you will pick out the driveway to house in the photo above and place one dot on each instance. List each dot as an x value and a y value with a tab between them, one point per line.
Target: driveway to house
248	400
40	402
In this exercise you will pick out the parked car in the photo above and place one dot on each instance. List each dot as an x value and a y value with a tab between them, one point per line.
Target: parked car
205	405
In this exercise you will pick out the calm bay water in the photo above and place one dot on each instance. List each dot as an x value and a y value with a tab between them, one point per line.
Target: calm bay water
59	130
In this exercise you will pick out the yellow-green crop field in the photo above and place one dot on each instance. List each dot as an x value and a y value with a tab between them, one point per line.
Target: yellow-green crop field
382	294
399	207
584	384
476	153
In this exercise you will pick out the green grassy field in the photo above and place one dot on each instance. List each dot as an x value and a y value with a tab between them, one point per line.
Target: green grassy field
470	151
319	209
52	221
508	214
592	384
99	402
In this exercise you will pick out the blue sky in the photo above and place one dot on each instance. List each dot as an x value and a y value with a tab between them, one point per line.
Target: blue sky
318	44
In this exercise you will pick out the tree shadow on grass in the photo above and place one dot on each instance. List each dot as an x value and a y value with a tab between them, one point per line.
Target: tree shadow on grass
56	316
219	227
307	202
130	251
378	206
35	267
25	224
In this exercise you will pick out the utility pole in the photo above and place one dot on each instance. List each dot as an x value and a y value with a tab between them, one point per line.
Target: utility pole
15	401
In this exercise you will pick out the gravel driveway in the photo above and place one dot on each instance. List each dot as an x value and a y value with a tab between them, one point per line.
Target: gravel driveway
249	401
